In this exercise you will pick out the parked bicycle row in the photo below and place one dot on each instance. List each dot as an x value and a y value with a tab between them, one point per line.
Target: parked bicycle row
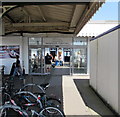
31	100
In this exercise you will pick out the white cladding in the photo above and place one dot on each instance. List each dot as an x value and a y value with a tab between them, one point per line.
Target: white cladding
104	68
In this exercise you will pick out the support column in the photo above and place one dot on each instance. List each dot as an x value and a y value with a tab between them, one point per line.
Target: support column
88	56
119	60
1	32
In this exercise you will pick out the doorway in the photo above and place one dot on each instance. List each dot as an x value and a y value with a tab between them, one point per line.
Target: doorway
79	62
72	57
36	60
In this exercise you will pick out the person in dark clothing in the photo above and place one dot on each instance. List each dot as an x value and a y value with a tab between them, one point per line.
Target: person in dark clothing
35	67
48	59
13	68
18	67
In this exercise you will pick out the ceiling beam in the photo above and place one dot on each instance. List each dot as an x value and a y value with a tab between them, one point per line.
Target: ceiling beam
4	9
27	14
76	15
10	18
8	8
42	14
46	2
47	24
35	32
87	14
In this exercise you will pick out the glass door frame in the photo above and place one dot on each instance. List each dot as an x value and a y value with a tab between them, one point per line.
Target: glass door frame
72	59
42	59
71	47
62	46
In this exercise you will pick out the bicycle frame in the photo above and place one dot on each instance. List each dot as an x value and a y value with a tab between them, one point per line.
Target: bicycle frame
31	94
27	85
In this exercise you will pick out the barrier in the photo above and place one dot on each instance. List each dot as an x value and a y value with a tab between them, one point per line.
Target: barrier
104	64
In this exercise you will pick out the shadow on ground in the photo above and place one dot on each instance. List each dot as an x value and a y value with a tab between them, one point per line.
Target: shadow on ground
91	99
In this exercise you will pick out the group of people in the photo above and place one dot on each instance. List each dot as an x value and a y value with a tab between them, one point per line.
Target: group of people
16	67
50	58
48	62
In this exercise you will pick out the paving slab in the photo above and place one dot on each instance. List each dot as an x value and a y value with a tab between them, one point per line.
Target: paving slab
79	99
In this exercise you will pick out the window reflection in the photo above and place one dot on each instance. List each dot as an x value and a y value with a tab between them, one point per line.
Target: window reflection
34	41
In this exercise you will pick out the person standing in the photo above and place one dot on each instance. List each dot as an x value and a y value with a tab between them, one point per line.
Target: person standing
79	59
35	66
48	59
18	68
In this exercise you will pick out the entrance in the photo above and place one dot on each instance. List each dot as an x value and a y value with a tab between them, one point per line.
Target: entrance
79	61
60	56
73	57
36	60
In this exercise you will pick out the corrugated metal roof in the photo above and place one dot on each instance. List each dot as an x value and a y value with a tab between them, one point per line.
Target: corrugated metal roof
61	18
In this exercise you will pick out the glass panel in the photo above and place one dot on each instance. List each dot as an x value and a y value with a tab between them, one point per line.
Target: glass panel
80	61
42	60
34	41
53	52
47	67
67	54
80	41
34	60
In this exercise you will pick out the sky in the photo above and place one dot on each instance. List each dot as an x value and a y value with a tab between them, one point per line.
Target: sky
108	11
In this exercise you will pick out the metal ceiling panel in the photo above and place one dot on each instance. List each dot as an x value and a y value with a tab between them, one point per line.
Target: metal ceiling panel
62	18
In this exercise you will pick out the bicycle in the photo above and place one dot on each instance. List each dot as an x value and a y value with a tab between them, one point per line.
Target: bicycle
41	94
30	105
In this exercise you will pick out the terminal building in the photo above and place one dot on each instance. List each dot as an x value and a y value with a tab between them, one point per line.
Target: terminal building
31	30
68	47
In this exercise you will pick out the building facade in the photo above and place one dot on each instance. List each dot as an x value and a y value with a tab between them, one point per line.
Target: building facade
73	53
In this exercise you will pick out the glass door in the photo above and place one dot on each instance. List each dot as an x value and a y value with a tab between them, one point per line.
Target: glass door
36	60
67	55
79	61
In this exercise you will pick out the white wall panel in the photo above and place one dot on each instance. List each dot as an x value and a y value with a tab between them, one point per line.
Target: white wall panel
106	68
119	71
25	54
93	63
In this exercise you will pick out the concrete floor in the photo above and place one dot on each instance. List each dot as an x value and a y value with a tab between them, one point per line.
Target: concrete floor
74	91
79	99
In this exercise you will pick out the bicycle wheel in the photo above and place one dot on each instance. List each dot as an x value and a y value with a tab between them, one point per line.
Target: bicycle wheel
3	113
9	110
51	112
54	102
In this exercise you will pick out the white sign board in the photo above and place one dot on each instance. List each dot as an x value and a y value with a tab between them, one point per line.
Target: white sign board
57	41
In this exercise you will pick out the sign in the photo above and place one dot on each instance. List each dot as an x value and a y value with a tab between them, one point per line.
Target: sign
57	41
9	51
